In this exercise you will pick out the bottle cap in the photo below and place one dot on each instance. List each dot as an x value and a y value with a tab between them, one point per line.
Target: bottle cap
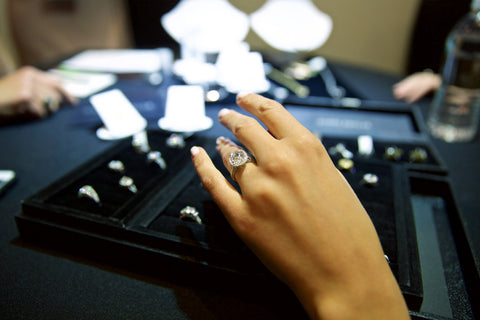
475	5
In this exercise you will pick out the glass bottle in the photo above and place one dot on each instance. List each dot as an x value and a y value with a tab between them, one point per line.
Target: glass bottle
454	113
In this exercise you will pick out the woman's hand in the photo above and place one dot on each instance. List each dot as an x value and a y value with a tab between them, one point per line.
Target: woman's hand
29	93
300	217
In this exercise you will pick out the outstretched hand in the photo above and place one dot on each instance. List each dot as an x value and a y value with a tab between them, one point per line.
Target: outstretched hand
299	215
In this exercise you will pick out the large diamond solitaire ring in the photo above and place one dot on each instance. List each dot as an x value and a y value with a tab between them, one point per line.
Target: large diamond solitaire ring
88	192
237	159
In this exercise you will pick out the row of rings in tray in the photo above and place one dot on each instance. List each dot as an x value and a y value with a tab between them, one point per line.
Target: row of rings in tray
392	152
87	191
187	213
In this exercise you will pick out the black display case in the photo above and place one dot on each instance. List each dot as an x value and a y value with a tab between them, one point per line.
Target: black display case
149	220
146	225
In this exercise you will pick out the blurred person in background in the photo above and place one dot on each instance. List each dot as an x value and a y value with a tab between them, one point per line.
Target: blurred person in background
36	34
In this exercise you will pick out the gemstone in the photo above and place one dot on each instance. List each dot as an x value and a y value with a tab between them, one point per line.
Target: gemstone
370	179
238	157
345	164
126	181
418	155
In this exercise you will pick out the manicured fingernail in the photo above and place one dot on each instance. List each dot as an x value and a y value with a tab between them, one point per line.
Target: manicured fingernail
223	112
220	140
241	94
194	151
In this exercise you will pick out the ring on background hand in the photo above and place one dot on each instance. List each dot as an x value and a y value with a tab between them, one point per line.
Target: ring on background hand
127	182
237	159
191	213
88	192
48	103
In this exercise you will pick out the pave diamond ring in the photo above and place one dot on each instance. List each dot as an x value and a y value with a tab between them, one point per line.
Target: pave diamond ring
237	159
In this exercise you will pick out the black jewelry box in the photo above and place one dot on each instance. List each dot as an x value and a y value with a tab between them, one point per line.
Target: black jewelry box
148	222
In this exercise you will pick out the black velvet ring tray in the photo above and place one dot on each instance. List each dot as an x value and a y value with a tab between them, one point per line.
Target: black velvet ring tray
147	222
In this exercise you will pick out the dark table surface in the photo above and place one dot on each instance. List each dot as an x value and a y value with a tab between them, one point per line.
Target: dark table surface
38	282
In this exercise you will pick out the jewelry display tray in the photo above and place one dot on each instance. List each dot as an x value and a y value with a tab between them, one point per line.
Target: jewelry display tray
146	224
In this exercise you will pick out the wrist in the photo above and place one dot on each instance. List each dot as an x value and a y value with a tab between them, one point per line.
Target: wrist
372	295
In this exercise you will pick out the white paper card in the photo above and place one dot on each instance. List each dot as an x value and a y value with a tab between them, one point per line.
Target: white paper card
120	117
116	61
83	84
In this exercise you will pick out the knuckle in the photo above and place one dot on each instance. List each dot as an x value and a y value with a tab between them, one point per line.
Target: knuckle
282	163
243	224
267	106
243	125
308	144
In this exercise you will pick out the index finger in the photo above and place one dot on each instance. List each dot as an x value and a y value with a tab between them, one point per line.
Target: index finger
278	120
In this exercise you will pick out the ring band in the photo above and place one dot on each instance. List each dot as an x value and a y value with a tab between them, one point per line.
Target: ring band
156	156
87	191
127	182
237	159
191	213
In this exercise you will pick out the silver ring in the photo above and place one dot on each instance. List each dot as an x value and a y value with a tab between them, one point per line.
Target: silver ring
140	142
344	164
87	191
191	213
237	159
370	179
117	166
156	156
127	182
48	103
418	155
340	148
175	141
393	153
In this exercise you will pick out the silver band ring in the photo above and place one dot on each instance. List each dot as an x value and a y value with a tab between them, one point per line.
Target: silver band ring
175	141
87	191
237	159
127	182
117	166
191	213
156	156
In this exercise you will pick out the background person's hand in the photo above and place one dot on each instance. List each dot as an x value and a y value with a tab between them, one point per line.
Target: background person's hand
29	93
300	217
416	86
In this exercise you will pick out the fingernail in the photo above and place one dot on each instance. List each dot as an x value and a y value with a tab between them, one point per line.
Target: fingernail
223	112
194	151
242	94
220	140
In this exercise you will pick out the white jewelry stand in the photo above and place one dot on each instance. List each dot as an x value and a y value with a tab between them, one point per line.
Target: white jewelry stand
292	26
